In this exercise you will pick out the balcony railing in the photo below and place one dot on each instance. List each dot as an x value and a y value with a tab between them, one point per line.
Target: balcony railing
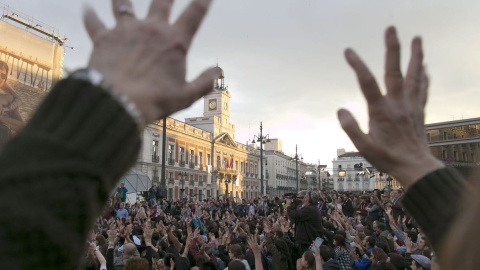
171	181
181	163
191	165
171	161
155	159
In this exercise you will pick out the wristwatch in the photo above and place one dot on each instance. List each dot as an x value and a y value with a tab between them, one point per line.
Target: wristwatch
96	78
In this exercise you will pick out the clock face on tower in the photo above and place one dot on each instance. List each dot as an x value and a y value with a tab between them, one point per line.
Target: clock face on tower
212	104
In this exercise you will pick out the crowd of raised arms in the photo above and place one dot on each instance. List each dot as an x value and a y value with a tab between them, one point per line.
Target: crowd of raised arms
367	231
58	170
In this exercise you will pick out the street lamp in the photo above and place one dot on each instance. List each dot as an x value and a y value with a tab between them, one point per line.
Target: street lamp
389	183
262	139
297	158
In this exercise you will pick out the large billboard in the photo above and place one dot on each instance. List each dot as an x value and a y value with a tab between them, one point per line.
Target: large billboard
30	63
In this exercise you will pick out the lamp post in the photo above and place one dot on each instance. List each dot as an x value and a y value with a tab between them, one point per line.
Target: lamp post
389	183
163	180
297	158
262	139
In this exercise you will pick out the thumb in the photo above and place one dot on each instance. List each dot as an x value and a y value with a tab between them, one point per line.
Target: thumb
203	84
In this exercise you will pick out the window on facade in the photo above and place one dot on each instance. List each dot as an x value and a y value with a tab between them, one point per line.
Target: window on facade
171	149
241	167
225	162
444	153
455	155
339	166
170	194
236	165
208	160
182	154
445	135
256	169
464	156
251	168
200	158
192	156
219	163
200	178
155	149
170	175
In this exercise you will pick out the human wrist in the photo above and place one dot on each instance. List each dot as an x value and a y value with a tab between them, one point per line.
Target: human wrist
96	78
415	168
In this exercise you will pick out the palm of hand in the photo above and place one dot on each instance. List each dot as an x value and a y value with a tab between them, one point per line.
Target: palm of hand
146	59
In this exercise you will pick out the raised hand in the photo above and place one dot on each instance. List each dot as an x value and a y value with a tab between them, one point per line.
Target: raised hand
396	141
253	244
157	50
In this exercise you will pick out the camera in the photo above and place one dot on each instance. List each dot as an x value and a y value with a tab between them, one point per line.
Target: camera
296	199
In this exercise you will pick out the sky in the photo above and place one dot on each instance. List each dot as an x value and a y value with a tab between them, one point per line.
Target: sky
283	59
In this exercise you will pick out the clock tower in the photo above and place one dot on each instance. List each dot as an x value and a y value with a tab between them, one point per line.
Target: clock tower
216	110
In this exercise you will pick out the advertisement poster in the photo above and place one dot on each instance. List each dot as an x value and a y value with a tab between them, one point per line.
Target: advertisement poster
31	61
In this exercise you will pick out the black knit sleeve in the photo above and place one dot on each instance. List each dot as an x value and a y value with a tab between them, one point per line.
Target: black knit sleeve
434	201
56	175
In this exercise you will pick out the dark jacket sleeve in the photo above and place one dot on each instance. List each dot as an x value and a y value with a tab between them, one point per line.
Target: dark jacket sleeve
110	265
434	201
62	165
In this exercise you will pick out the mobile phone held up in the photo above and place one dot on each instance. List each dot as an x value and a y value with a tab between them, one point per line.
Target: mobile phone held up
318	242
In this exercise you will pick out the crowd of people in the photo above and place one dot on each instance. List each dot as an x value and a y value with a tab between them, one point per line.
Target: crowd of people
59	169
358	231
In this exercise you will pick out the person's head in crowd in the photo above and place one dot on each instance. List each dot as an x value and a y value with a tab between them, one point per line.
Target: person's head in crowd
382	246
340	200
121	206
339	241
325	253
374	225
311	198
412	235
397	260
128	250
360	228
422	244
307	261
362	235
420	262
364	199
209	266
377	255
168	257
385	198
383	265
369	241
236	265
396	193
235	252
136	263
380	228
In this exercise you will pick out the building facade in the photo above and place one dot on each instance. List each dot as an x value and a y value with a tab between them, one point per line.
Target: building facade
456	143
202	157
352	172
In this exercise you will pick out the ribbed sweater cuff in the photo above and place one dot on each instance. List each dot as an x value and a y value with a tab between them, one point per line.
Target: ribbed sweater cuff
433	202
90	123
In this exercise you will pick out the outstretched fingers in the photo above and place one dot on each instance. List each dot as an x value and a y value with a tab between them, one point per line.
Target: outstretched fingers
202	85
413	79
191	18
350	126
160	9
367	82
92	23
393	73
123	10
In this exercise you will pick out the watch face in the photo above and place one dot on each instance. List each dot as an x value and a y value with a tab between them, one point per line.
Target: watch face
213	105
